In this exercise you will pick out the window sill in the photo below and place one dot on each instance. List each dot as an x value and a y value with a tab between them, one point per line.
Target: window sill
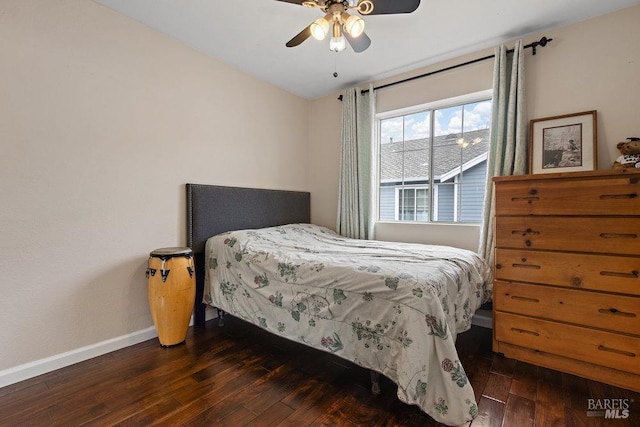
461	235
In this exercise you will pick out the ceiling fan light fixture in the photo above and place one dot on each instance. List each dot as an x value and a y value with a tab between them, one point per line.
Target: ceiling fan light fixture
337	44
353	24
319	28
345	26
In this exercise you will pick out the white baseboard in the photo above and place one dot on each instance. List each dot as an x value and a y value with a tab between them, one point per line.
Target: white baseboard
33	369
42	366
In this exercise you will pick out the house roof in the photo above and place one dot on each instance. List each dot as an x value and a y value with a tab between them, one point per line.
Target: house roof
409	160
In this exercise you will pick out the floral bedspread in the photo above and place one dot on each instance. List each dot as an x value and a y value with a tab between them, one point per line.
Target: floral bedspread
395	308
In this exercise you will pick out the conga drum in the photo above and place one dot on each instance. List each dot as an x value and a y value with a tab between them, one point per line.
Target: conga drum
172	290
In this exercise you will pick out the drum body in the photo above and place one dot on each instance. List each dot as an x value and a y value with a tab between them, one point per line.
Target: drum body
172	290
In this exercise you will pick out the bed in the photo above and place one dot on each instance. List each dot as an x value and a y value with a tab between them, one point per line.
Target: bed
394	308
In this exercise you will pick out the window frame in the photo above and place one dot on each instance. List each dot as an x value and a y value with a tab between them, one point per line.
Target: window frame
484	95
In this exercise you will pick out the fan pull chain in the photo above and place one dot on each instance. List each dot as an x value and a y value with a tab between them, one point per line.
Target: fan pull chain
335	66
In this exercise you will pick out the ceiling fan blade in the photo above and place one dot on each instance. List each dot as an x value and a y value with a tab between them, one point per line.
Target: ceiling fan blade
387	7
300	37
360	43
292	1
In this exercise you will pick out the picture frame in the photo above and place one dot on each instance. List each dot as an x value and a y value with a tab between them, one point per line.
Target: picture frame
566	143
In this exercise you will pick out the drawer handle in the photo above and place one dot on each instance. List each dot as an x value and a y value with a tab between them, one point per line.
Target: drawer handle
616	351
616	312
536	267
632	275
618	235
525	232
618	196
519	298
524	331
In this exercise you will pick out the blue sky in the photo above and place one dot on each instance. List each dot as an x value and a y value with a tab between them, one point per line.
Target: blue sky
476	116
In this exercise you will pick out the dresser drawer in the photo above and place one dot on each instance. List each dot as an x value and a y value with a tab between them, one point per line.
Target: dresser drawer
618	274
580	234
618	313
604	195
609	349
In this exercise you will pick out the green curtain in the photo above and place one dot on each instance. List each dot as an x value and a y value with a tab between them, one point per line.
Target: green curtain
354	186
508	149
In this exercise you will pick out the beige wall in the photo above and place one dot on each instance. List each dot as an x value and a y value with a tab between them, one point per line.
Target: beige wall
102	122
324	158
591	65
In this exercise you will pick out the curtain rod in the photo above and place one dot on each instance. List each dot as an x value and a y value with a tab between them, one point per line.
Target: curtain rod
542	43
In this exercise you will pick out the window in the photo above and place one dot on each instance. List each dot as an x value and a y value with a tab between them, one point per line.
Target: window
413	204
433	159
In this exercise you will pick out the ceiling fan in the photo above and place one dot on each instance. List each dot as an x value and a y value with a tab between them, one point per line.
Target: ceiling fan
342	24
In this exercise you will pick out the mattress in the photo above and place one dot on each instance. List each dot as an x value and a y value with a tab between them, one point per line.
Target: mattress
395	308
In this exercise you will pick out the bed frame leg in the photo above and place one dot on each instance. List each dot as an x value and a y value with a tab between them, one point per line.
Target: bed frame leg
221	315
375	382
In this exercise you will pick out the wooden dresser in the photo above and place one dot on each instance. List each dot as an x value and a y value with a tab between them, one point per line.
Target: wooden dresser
567	270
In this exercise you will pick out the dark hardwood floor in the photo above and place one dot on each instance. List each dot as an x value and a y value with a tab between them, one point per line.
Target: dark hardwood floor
239	375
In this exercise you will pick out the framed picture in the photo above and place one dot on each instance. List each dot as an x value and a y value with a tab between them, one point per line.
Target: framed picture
563	143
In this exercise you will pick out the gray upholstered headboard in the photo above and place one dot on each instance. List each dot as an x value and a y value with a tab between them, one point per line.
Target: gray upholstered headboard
213	209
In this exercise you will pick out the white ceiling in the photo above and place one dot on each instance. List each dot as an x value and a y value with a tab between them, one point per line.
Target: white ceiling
251	35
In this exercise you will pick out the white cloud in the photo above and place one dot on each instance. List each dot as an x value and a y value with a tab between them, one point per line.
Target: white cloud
478	117
391	128
419	128
448	121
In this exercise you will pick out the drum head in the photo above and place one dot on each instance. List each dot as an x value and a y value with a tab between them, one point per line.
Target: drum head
172	252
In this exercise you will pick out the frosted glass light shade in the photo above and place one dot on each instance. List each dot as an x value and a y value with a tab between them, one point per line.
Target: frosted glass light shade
337	44
319	28
354	25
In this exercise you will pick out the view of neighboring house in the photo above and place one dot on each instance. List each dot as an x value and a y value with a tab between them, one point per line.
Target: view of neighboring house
459	173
